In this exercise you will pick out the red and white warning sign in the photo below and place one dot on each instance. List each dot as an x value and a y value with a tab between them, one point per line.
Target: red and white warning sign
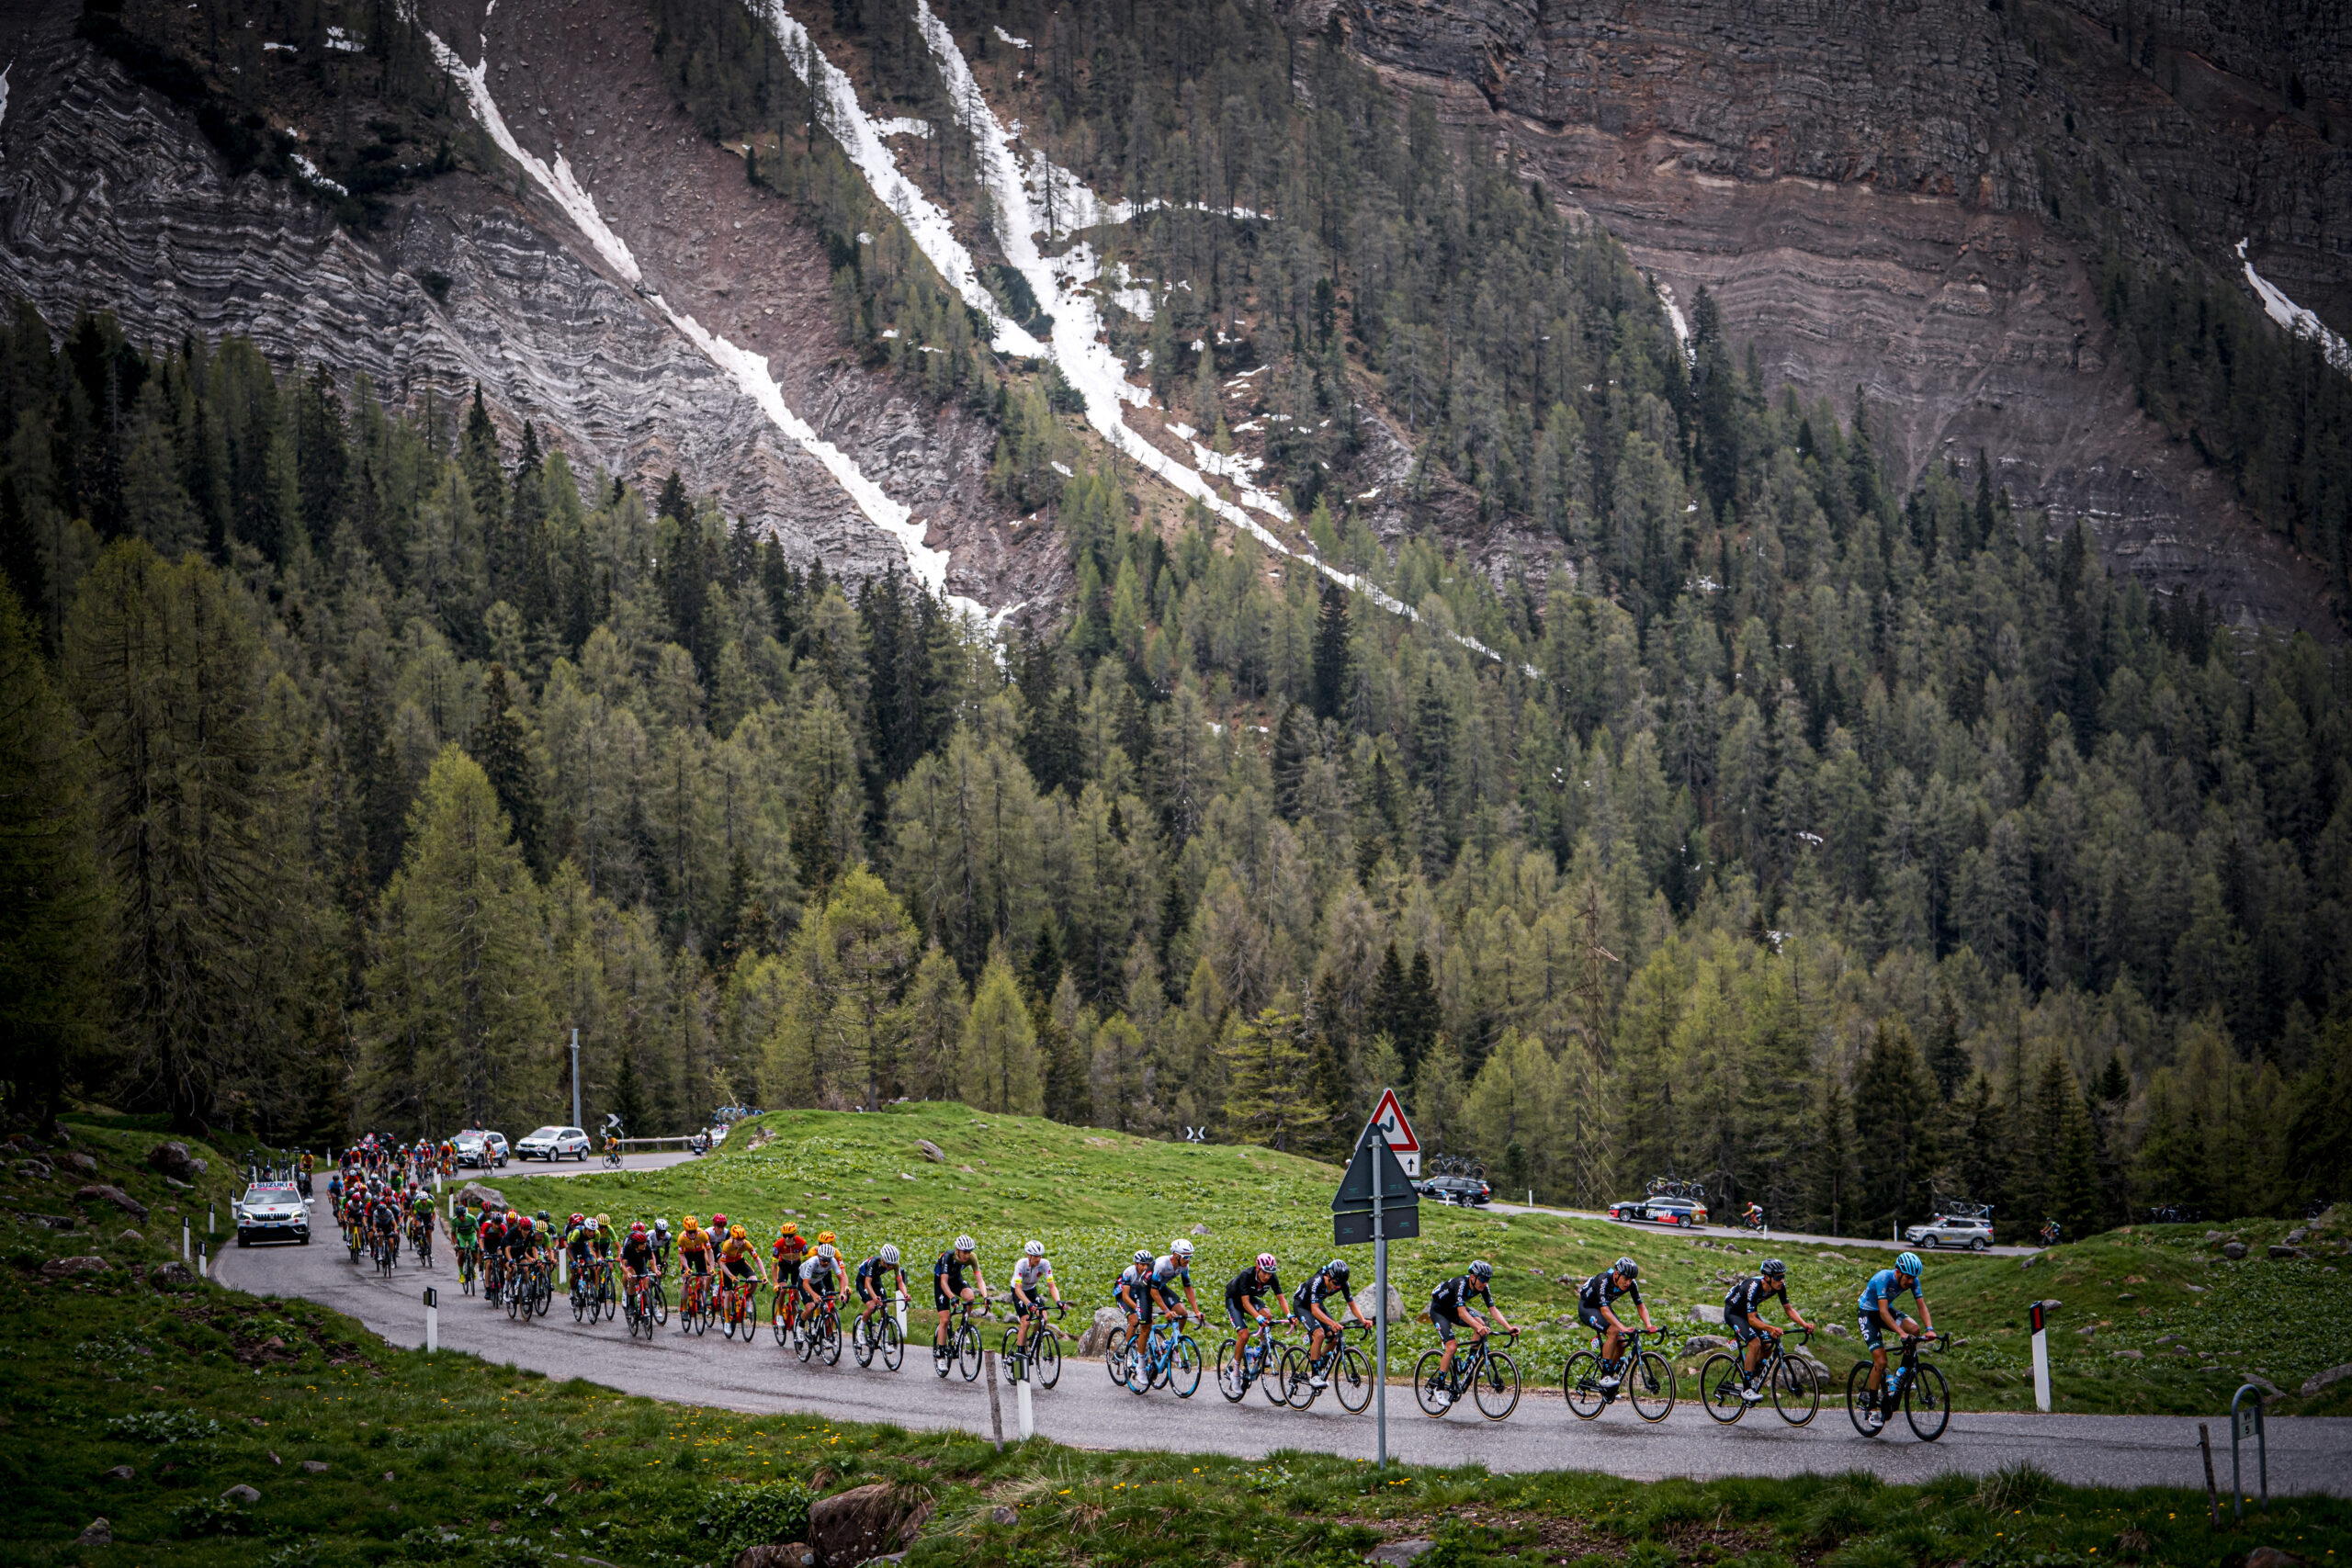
1390	1119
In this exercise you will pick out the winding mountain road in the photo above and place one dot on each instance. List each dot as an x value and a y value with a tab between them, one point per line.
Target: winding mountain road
1087	1411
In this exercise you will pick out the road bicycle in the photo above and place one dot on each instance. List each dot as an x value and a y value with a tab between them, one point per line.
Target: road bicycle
612	1154
1794	1386
1167	1356
469	1268
592	1292
739	1308
820	1332
1255	1358
1489	1375
420	1241
528	1292
961	1352
878	1335
647	1306
494	1276
697	1303
1917	1385
1046	1343
388	1250
1646	1377
1343	1365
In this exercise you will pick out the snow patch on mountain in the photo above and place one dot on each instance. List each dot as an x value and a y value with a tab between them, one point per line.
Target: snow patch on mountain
311	173
1015	42
933	232
902	126
748	370
3	93
2294	318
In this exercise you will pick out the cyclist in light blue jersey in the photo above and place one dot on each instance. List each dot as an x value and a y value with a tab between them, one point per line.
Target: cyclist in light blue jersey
1877	1313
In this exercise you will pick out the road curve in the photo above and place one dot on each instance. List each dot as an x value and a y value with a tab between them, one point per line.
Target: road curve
1087	1411
1763	1241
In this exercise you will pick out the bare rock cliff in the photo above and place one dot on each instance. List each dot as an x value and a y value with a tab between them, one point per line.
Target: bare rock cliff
1902	197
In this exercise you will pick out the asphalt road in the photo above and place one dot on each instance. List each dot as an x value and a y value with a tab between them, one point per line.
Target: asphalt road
1728	1232
1087	1411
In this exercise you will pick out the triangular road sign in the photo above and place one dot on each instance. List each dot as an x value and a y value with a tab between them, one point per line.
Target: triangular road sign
1373	1160
1389	1117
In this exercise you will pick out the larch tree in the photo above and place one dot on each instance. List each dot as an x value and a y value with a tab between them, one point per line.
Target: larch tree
1001	1066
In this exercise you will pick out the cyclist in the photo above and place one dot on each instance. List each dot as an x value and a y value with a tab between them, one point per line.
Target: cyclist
820	1282
662	1242
1306	1305
448	1157
784	1259
735	1256
522	1247
465	1230
1597	1310
492	1238
1133	1290
580	1246
384	1218
1744	1315
1031	1272
1878	1313
1245	1298
638	1262
1755	1214
872	1295
1450	1309
1169	1275
948	1289
695	1255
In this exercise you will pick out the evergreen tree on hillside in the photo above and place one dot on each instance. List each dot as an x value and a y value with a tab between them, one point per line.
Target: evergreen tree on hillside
1270	1087
498	745
1897	1147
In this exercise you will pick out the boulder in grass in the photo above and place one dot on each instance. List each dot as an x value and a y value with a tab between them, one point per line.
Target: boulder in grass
105	1193
777	1554
1097	1337
1397	1554
2271	1557
240	1493
172	1159
474	1193
172	1276
2319	1380
1699	1344
867	1521
2233	1250
63	1268
930	1151
1366	1299
119	1473
2284	1253
97	1532
89	1167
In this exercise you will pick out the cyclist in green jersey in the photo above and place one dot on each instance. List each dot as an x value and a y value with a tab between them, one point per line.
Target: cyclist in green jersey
465	1230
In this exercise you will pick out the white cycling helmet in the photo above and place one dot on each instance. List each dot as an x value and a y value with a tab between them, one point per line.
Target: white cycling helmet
1179	1248
890	1256
825	1250
1143	1259
1034	1249
964	1244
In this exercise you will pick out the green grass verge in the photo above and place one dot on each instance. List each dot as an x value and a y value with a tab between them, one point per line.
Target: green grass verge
1095	1197
449	1459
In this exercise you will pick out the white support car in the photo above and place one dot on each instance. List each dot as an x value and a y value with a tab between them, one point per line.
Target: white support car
552	1143
272	1212
1970	1231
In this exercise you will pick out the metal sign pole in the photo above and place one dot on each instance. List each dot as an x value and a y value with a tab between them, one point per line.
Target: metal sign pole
1379	1317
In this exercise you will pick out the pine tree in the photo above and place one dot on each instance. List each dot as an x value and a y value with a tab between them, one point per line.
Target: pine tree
1334	656
1270	1096
629	1098
1893	1117
1000	1067
499	744
936	1008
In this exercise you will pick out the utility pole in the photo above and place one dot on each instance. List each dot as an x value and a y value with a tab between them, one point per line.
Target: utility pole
575	1075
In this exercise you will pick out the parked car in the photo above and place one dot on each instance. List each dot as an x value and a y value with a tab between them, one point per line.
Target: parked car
552	1143
480	1148
272	1211
1970	1230
1660	1212
1460	1192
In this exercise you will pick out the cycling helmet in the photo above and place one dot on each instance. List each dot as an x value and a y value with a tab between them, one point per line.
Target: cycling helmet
785	1229
824	1236
718	1221
542	1218
1335	1269
1773	1268
1482	1270
825	1250
690	1224
1627	1267
964	1244
604	1220
890	1256
1143	1259
524	1225
1909	1263
1034	1249
735	1233
579	1220
637	1229
1179	1248
661	1227
1266	1261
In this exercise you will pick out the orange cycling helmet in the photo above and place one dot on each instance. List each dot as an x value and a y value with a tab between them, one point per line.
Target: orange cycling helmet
788	1228
736	1234
824	1238
690	1223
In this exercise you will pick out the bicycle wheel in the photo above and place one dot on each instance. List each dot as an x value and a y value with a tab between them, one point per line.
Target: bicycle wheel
1049	1357
1796	1392
546	1296
829	1328
1496	1389
1351	1379
579	1299
515	1300
1270	1375
1137	1373
1581	1382
894	1345
967	1351
1114	1356
1428	1383
1927	1403
1231	1380
776	1326
1651	1383
1857	1382
805	1344
1185	1367
1719	1389
860	1342
657	1304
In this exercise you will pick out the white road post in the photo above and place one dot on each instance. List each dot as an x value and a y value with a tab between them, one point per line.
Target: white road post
431	1322
1028	1417
902	1312
204	1262
563	1267
188	1247
2041	1361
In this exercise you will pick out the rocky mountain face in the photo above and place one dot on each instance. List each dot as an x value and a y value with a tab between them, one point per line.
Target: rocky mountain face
111	197
1911	200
